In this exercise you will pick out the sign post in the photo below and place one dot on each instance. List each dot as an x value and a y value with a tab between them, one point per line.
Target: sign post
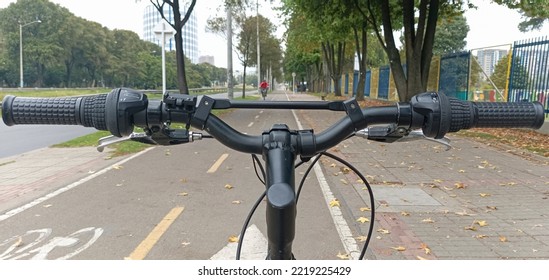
161	33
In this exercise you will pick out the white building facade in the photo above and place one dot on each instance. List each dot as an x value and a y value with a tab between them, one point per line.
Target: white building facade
151	17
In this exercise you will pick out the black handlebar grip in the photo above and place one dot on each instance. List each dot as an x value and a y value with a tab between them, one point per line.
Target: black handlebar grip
466	114
88	111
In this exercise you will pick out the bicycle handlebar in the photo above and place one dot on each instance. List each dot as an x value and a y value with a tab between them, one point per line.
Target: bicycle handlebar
122	109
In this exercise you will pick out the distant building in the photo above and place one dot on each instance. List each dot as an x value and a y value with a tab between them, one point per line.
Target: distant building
207	59
151	17
488	58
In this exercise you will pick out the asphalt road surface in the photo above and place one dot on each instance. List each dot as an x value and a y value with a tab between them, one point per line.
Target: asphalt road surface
24	138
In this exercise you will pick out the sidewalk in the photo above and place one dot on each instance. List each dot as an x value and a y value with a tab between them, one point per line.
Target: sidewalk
41	171
472	202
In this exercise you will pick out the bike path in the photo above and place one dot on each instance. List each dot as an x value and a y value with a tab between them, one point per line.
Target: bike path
473	202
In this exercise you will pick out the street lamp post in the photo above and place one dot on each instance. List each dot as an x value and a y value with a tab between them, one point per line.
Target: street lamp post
161	33
21	49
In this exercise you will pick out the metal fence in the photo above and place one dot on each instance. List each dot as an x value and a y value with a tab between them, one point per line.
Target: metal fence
529	77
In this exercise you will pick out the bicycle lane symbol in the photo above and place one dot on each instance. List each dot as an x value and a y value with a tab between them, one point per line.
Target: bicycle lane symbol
38	244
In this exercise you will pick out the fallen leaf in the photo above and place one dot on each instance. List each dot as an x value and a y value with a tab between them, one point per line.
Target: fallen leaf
471	228
404	213
344	181
481	236
484	194
334	203
461	171
359	181
345	170
333	165
183	194
185	243
428	220
227	186
47	206
463	213
459	185
491	208
503	239
19	242
119	185
365	209
437	181
361	238
233	238
425	248
481	223
399	248
363	220
183	180
383	231
118	167
343	256
236	202
167	152
421	258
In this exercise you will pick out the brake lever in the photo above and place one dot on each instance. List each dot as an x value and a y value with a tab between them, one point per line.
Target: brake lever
111	139
418	135
165	137
391	133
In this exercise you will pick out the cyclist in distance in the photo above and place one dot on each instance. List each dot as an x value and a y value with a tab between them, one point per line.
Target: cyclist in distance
263	86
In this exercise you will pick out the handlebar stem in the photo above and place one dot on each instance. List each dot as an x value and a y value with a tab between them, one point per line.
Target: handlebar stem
279	156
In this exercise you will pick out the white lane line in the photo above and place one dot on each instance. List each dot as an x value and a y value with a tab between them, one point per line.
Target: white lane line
51	195
217	163
343	229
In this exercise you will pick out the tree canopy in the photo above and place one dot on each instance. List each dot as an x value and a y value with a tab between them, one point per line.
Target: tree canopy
68	51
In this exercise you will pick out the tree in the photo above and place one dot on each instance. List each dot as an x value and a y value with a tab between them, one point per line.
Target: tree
534	13
177	24
329	26
450	35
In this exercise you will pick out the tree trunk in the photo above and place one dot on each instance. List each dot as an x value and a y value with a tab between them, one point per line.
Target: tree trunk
361	50
334	59
418	45
244	83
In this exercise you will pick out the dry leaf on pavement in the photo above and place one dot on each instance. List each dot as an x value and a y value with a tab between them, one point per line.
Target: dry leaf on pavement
233	238
399	248
343	256
425	248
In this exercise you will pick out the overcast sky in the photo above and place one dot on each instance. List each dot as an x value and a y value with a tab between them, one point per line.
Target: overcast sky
490	25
